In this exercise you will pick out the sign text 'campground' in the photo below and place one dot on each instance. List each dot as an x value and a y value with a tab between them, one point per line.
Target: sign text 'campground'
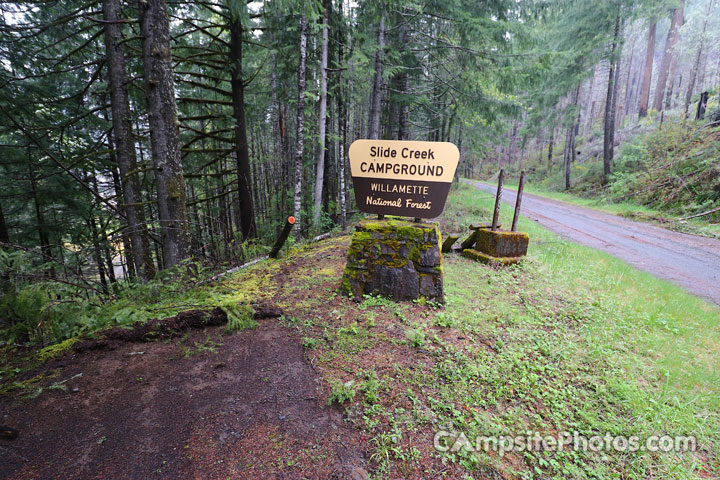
405	178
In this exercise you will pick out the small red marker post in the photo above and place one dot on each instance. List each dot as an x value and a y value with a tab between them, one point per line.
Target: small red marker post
282	237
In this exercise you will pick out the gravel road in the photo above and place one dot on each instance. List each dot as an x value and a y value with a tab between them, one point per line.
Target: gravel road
691	261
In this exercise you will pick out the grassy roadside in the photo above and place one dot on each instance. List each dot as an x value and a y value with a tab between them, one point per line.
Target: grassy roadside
572	340
628	210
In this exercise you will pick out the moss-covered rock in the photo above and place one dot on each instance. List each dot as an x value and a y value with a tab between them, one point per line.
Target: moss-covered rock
501	243
395	258
473	254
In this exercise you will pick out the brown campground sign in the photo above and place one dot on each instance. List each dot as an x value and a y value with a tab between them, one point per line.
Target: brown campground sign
399	177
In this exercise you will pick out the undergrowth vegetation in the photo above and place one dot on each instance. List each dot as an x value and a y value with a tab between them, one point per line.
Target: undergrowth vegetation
49	311
668	171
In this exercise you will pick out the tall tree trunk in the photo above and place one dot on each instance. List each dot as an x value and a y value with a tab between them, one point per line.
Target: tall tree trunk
242	157
671	85
567	156
160	93
691	82
102	237
628	77
610	102
673	34
300	124
461	160
4	233
278	150
404	85
570	141
342	139
97	253
45	247
647	71
140	253
550	147
342	123
376	100
698	54
322	120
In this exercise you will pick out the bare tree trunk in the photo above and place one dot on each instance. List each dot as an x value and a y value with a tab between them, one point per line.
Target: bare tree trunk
242	157
97	254
342	138
671	85
375	101
141	253
701	72
322	120
160	93
347	134
616	91
625	105
4	234
404	84
609	126
570	142
45	247
278	150
698	54
567	156
693	78
342	125
550	147
647	71
673	34
300	123
461	151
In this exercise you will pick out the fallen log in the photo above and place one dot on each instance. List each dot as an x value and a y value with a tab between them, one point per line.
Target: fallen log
700	214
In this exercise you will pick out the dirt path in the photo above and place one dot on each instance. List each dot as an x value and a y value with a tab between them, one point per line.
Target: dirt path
690	261
207	406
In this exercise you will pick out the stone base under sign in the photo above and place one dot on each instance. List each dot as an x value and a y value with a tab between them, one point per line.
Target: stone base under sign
394	258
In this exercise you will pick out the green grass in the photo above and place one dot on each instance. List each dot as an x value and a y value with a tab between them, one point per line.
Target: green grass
603	346
572	339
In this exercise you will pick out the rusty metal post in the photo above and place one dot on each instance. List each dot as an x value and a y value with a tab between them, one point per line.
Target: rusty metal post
282	237
498	195
518	201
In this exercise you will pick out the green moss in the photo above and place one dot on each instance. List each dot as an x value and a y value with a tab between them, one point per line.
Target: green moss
473	254
345	286
58	349
415	232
